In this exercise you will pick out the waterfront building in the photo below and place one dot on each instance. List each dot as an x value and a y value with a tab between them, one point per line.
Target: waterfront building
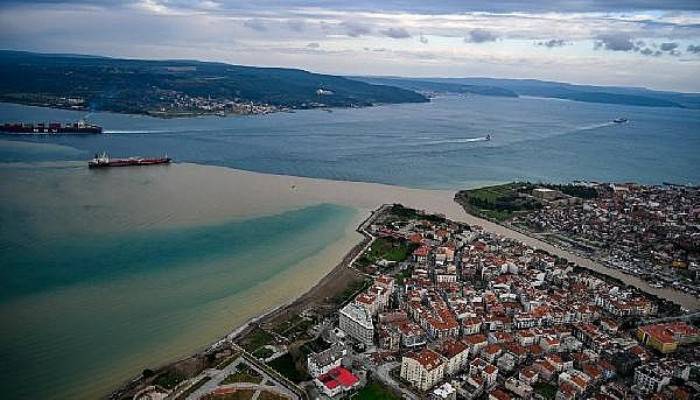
356	322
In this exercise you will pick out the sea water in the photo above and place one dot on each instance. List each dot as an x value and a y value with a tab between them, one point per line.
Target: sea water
85	307
434	145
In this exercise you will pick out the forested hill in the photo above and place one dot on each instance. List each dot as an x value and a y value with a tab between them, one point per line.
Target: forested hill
141	86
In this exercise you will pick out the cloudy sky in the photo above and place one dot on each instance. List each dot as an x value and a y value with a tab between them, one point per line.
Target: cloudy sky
647	43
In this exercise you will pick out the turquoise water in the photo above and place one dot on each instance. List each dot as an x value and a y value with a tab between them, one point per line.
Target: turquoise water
79	313
415	145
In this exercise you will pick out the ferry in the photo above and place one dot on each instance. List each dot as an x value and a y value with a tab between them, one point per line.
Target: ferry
104	161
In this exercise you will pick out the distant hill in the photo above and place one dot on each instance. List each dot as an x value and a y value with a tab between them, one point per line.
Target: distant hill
439	87
586	93
140	86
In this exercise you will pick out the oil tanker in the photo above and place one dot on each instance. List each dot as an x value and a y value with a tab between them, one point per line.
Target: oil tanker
104	161
52	128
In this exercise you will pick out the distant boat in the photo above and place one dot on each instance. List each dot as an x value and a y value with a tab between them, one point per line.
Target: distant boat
52	128
620	120
104	161
488	137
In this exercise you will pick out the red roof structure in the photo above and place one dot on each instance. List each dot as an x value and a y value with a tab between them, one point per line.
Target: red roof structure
338	376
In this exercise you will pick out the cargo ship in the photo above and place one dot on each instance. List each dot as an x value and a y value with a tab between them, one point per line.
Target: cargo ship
52	128
104	161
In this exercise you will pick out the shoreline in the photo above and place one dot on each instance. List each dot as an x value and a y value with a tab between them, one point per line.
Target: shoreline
343	270
316	294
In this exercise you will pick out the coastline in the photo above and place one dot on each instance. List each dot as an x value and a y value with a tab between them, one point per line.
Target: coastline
330	284
200	194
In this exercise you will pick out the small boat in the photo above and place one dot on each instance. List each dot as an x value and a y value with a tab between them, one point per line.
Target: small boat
104	161
620	120
488	137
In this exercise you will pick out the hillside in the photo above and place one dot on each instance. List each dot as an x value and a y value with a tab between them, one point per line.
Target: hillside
585	93
440	87
178	86
536	88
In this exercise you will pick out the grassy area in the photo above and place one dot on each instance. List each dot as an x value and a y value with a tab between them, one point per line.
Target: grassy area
265	395
375	391
352	288
285	366
241	394
403	275
546	390
284	326
403	213
387	249
498	202
193	388
263	352
223	364
244	375
255	339
169	379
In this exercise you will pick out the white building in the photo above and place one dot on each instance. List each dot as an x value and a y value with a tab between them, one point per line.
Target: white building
422	369
324	361
356	322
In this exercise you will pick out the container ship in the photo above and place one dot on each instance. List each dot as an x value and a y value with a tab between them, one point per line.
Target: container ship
104	161
52	128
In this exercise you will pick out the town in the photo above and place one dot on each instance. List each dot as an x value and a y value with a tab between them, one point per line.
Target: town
443	310
648	231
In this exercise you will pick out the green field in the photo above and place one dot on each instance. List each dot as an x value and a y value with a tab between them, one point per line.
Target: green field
498	202
375	391
245	374
285	366
386	249
255	339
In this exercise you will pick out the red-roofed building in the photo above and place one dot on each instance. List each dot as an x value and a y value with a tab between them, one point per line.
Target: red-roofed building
421	254
422	369
456	354
667	337
336	381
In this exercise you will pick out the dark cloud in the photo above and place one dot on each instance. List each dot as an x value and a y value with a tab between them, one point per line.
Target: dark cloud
313	45
553	43
693	48
615	42
395	33
256	25
481	36
668	46
355	29
649	52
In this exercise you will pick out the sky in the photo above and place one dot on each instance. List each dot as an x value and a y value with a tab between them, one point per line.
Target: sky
654	44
